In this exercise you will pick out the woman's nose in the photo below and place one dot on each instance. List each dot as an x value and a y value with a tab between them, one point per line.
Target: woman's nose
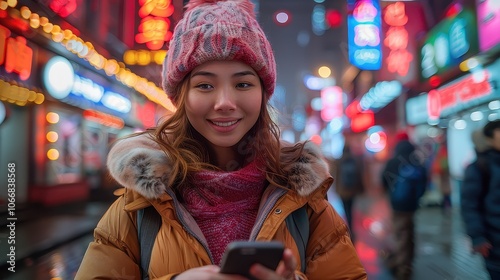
225	99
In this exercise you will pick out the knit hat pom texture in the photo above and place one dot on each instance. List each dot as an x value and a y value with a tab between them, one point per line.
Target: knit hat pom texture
213	30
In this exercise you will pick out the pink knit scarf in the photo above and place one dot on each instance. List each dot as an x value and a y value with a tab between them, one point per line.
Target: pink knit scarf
225	204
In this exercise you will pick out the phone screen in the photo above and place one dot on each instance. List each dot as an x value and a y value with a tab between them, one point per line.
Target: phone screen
241	255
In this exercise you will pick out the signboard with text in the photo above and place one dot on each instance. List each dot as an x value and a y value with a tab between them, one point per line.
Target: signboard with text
488	22
402	22
447	44
364	32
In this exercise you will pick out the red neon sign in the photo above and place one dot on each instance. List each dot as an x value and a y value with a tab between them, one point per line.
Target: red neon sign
362	121
463	91
63	7
159	8
17	56
4	34
395	14
353	109
396	39
154	32
155	25
103	118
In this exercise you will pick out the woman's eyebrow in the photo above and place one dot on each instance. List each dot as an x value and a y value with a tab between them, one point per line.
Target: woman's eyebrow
243	73
237	74
203	73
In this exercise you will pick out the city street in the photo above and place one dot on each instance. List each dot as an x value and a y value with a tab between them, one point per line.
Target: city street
442	248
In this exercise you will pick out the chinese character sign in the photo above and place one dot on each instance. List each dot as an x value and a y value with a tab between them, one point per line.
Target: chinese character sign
364	26
154	26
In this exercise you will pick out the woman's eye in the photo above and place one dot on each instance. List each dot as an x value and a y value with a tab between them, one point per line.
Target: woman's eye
204	86
243	85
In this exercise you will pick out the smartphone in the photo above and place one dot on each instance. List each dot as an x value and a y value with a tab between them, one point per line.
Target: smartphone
241	255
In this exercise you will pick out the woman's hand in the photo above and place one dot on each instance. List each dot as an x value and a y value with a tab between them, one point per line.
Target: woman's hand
208	272
285	270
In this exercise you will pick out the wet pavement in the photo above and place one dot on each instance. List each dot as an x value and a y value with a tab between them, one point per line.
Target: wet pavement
52	245
50	242
442	249
60	263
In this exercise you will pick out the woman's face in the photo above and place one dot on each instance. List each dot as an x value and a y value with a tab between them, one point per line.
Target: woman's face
223	101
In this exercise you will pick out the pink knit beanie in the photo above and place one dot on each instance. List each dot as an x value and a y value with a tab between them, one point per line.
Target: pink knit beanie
218	30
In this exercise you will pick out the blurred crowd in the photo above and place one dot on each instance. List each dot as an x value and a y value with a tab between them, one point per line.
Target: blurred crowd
408	175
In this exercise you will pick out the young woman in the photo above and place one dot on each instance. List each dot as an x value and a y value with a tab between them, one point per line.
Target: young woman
216	170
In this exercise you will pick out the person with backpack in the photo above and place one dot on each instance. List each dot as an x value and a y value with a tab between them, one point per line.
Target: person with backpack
348	175
480	197
404	178
216	171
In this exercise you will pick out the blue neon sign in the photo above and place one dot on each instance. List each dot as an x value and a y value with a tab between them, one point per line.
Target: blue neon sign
364	31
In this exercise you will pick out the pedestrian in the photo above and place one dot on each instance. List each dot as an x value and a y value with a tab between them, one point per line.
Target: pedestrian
480	196
441	170
348	175
216	170
405	179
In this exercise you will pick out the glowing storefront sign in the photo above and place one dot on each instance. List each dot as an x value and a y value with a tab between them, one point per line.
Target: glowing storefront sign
364	26
62	83
362	121
332	103
448	99
488	22
155	25
103	118
58	77
416	110
117	102
63	8
380	95
396	39
87	88
448	44
17	56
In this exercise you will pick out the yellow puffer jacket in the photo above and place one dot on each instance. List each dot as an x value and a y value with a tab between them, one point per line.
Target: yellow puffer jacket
180	245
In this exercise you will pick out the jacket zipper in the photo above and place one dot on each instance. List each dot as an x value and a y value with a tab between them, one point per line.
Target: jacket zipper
178	210
264	211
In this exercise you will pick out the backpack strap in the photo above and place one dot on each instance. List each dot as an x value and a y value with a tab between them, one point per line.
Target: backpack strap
298	226
148	224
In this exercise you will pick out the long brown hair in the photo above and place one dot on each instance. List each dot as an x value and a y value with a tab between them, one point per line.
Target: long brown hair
187	151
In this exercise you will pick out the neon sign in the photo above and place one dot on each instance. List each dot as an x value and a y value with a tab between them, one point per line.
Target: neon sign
488	20
62	83
448	44
380	95
154	26
63	7
364	25
362	121
331	99
159	8
462	92
103	118
17	56
396	39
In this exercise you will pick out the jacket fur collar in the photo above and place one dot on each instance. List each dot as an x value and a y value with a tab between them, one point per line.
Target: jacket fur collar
137	163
